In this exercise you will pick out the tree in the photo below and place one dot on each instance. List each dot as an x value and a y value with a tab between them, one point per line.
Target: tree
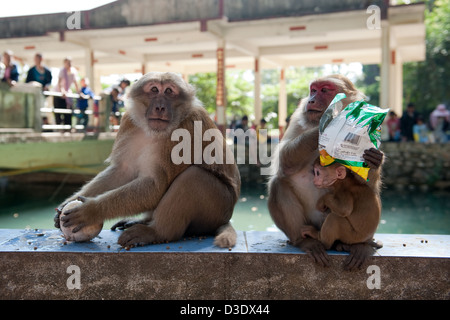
369	84
426	83
205	84
238	89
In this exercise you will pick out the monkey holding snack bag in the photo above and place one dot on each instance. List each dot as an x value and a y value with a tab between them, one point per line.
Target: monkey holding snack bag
343	136
351	205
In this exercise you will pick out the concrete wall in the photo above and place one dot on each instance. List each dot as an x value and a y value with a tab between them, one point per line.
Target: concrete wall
37	265
416	165
19	107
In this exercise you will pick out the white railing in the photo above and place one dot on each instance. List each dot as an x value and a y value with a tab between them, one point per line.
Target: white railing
74	111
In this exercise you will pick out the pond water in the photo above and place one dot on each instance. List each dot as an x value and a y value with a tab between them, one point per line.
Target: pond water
416	212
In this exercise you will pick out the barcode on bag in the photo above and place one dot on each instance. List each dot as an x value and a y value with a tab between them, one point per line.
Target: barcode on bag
352	138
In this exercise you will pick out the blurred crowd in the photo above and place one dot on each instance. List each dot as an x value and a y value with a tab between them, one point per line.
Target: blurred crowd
70	92
411	126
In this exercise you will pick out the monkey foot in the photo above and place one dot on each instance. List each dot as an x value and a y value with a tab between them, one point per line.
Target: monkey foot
125	224
137	235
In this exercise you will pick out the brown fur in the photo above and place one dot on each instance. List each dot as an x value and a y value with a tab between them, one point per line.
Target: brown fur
141	176
353	209
292	194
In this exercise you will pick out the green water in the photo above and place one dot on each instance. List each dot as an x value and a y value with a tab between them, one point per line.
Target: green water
32	206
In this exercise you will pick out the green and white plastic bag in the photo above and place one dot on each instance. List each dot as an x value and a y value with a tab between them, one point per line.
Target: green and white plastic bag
344	135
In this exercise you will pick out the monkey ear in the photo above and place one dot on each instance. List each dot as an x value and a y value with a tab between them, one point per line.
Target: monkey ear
341	172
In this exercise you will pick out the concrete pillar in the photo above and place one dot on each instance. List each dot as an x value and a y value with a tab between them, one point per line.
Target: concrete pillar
282	103
97	83
385	65
89	67
257	92
396	83
221	92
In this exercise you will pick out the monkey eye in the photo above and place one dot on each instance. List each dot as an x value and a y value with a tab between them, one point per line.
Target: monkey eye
168	91
324	89
155	89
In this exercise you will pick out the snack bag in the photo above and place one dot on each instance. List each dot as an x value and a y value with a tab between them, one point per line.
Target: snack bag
344	135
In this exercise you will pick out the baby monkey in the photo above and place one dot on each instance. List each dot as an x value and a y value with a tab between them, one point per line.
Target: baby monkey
353	208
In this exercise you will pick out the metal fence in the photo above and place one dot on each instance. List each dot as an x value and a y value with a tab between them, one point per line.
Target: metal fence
26	108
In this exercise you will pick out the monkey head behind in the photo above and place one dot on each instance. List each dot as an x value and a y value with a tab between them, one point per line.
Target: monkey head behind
153	101
322	91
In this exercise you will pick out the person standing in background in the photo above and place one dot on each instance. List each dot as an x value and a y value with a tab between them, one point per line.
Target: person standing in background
11	72
420	131
440	123
407	121
393	124
67	77
39	73
85	94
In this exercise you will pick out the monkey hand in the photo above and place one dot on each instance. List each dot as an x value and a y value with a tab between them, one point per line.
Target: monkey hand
314	249
373	157
58	213
82	215
321	204
359	254
56	217
322	207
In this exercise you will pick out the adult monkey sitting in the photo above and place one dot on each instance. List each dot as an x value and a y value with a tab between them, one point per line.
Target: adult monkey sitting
192	197
292	194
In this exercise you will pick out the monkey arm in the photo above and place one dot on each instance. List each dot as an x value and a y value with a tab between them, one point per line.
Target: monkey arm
341	205
298	152
374	158
141	194
110	178
374	180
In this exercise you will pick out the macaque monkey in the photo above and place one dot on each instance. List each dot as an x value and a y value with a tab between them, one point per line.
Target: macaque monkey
192	197
353	209
292	194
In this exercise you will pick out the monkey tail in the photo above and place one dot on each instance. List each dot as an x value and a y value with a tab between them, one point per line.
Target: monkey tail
225	236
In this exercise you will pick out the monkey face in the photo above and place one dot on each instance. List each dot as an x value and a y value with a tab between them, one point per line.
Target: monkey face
320	96
319	174
160	107
158	101
325	177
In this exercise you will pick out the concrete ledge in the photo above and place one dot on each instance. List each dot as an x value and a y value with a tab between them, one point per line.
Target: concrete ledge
34	265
